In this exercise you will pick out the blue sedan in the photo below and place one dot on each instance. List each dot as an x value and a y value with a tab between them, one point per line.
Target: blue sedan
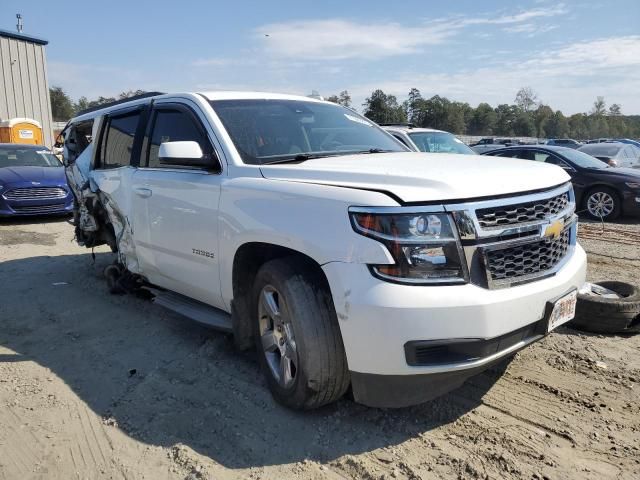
32	182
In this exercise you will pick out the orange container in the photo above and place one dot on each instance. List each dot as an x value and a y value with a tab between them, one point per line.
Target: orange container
21	130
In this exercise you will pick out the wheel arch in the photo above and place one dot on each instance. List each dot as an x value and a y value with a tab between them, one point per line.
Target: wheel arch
248	259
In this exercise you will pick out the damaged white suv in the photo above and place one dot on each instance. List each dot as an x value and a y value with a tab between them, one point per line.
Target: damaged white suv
309	232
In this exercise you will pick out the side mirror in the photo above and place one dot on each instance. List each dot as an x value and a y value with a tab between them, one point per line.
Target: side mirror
188	154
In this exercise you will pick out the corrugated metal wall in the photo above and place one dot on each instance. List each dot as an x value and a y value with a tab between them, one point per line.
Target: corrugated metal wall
24	89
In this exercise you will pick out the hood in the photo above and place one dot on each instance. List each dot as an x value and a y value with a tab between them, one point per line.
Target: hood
424	177
48	176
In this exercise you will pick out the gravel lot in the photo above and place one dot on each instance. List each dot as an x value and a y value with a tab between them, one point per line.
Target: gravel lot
100	386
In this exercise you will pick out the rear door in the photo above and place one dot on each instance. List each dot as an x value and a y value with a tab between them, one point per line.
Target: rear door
114	172
180	245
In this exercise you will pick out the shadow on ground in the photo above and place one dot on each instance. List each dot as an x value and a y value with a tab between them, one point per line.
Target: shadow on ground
165	380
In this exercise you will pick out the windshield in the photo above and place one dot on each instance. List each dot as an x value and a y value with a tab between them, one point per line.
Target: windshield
583	160
601	149
265	131
439	142
27	157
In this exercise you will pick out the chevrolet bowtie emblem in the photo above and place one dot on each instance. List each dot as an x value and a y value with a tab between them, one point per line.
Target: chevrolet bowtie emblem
554	229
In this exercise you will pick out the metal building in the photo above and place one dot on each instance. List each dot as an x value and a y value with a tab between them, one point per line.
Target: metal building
24	89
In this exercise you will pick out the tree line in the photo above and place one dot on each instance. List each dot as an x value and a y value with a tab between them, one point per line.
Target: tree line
527	116
63	107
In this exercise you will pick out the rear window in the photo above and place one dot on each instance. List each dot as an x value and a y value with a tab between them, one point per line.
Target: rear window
601	149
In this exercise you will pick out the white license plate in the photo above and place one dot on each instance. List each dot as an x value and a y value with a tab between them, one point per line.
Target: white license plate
564	309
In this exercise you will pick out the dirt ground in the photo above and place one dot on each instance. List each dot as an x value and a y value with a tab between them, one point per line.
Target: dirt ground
100	386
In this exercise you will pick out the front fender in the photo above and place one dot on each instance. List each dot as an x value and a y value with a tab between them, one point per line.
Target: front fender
308	218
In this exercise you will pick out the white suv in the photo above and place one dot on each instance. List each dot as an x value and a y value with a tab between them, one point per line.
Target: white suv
427	139
309	232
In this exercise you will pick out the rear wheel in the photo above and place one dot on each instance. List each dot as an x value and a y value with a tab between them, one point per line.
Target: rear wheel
297	336
602	204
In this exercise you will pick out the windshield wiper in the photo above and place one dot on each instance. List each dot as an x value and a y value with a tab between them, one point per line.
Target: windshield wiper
301	157
376	150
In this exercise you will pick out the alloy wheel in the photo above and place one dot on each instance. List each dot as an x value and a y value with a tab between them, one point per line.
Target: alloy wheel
276	335
600	204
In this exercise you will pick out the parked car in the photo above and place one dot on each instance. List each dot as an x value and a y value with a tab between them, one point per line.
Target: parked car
32	182
598	140
564	142
487	144
428	139
308	231
615	154
602	192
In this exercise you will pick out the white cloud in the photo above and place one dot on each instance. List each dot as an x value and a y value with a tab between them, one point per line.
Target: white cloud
567	78
341	39
530	29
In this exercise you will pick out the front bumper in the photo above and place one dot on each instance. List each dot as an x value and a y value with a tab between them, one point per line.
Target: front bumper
377	319
631	203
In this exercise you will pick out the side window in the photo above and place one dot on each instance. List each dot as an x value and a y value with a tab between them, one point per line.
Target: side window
541	157
117	142
508	154
174	125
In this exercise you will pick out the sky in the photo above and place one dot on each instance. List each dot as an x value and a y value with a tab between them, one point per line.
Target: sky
473	51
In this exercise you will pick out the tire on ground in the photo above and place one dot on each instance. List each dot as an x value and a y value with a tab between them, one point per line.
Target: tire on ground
606	315
617	208
322	375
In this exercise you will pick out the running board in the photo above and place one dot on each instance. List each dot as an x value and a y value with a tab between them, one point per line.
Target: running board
193	309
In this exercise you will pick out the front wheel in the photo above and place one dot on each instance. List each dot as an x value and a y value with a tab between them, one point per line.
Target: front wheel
297	336
602	204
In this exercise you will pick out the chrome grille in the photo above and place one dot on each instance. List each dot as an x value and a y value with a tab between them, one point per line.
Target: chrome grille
35	193
39	208
523	262
522	213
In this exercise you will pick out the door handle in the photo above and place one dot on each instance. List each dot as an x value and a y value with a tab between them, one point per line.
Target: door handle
143	192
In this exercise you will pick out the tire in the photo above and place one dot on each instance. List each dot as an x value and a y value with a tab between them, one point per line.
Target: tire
602	203
309	333
606	315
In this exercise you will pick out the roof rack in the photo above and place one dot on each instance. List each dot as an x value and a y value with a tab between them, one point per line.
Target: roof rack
398	124
118	102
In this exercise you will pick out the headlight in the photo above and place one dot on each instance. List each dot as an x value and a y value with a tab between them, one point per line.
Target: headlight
634	185
425	246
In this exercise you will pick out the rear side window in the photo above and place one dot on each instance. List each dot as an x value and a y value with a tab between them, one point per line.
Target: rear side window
173	125
117	145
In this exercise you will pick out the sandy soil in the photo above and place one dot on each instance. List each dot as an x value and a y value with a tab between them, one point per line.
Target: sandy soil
100	386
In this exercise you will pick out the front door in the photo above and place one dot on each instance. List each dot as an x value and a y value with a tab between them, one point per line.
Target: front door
180	245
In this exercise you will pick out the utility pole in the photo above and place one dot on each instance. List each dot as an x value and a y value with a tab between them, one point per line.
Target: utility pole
19	25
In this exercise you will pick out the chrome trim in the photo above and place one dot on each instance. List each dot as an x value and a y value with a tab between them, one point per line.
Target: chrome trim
467	221
454	367
399	210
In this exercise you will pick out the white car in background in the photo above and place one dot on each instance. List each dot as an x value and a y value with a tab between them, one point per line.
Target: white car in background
312	235
427	139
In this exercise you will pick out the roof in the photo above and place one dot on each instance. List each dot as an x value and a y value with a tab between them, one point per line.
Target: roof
539	146
13	121
25	38
402	128
223	95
